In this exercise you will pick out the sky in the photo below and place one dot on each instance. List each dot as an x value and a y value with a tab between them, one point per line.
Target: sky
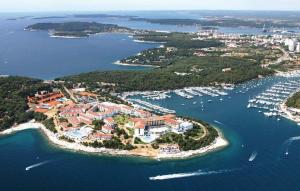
107	5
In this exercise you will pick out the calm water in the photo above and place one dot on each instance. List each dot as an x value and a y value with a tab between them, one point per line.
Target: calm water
229	169
34	54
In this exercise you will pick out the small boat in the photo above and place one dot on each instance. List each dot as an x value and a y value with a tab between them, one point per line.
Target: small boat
253	156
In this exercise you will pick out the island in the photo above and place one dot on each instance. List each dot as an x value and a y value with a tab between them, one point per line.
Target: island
78	119
85	16
77	29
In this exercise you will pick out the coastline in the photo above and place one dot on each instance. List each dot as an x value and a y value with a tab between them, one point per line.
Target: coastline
288	114
21	127
65	37
292	73
218	144
125	64
149	42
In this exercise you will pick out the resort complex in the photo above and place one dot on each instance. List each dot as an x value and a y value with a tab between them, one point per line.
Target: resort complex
83	119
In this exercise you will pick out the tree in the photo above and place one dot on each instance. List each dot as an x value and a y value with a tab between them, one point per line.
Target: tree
98	124
39	116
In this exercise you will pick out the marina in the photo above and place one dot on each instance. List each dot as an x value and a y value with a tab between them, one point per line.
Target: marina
150	107
271	99
187	93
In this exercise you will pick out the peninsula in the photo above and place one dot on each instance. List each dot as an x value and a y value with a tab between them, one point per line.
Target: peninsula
78	119
291	107
206	58
76	29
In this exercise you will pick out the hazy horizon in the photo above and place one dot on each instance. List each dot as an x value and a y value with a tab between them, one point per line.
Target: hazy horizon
134	5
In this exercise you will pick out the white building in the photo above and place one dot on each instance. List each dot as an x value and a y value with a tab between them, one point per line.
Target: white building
291	43
79	134
298	47
184	126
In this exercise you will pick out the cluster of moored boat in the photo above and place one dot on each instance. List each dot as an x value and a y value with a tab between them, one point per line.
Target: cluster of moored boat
244	88
188	93
150	95
270	100
191	92
156	95
149	106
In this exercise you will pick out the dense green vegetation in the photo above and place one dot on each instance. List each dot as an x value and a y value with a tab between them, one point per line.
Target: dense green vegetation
98	124
157	57
202	70
137	140
106	97
13	100
190	140
76	29
114	143
294	101
49	124
178	67
178	40
184	45
121	132
39	117
64	138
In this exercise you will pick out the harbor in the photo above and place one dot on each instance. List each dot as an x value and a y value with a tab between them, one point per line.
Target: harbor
268	102
187	93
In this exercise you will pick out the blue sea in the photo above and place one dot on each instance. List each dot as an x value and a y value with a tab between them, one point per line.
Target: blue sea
247	130
35	54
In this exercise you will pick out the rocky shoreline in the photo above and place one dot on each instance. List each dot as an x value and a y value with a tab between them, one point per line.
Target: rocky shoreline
218	144
288	114
141	65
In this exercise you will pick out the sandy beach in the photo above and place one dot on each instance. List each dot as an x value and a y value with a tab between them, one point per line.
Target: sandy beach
219	143
21	127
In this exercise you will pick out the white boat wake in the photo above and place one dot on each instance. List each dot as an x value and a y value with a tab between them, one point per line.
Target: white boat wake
253	156
218	122
288	143
37	165
189	174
